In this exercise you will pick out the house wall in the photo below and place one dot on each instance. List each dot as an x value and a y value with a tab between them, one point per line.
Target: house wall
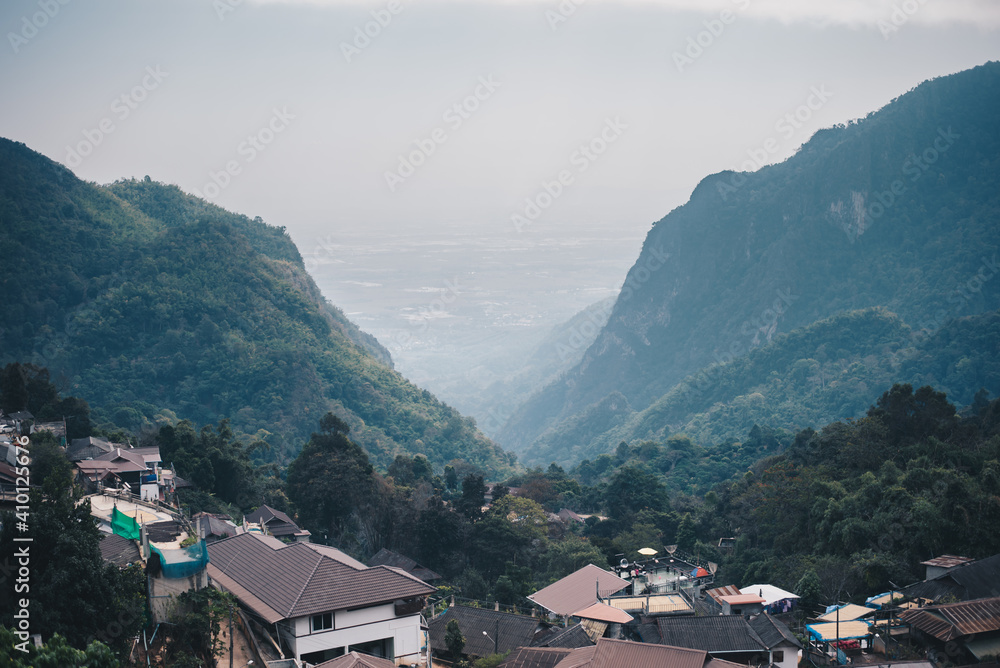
352	627
791	659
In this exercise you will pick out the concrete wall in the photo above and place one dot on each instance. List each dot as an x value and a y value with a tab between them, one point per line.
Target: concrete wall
361	626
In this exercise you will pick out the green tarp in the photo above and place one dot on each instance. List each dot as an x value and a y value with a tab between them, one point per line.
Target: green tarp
123	525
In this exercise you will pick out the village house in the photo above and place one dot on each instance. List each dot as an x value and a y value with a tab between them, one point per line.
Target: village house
317	603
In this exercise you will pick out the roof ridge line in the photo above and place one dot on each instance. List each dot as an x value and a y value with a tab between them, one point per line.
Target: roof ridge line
319	560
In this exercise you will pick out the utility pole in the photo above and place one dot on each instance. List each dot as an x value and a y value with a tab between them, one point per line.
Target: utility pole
230	634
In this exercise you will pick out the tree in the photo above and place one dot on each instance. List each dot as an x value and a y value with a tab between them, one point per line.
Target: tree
808	589
685	533
473	497
56	653
330	478
74	592
631	489
454	639
197	622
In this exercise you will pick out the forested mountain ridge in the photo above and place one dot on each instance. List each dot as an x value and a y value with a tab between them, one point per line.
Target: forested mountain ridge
828	371
144	300
896	210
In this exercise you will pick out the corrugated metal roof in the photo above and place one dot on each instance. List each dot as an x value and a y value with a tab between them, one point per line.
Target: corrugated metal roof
508	630
742	599
119	551
604	613
535	657
571	638
828	632
772	632
769	593
848	613
979	579
716	635
717	593
954	620
297	580
652	605
578	590
946	561
626	654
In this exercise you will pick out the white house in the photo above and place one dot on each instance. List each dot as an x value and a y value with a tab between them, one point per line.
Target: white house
319	602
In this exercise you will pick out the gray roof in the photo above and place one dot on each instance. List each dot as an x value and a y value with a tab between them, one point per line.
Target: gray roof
386	557
90	447
278	523
717	635
772	632
978	579
119	551
279	581
535	657
571	638
507	629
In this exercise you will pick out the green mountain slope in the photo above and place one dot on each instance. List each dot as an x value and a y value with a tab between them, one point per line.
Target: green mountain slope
831	370
142	298
898	210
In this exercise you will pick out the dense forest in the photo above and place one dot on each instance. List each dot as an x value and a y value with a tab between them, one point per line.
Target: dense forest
830	370
153	304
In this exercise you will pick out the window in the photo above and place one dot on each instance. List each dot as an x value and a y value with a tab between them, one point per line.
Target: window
778	656
322	622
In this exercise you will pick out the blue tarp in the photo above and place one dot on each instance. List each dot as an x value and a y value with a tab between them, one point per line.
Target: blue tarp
184	562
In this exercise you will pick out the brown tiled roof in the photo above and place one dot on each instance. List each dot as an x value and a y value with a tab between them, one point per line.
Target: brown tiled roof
297	580
626	654
578	590
954	620
509	630
357	660
535	657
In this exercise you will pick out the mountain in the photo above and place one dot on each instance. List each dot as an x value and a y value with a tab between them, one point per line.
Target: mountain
897	210
831	370
152	304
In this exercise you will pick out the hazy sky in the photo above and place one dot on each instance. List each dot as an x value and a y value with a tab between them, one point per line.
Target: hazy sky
181	86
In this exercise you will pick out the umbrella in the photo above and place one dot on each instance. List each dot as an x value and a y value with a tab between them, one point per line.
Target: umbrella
647	551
